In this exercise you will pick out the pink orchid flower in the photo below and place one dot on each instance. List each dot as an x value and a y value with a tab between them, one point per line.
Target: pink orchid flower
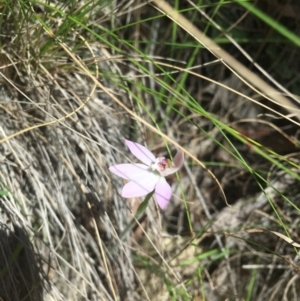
144	178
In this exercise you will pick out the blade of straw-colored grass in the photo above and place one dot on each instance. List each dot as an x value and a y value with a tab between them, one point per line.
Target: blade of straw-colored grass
226	58
245	54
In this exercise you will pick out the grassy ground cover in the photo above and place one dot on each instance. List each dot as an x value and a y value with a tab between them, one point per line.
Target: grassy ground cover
218	80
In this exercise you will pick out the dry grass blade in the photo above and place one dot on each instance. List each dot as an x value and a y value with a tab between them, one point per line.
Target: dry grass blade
247	75
282	236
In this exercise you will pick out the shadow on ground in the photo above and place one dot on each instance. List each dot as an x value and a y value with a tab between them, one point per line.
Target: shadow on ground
20	277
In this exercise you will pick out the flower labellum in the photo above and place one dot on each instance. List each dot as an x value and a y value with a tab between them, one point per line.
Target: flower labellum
149	176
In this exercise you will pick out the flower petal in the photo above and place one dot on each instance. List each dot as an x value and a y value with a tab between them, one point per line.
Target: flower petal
176	164
178	159
163	193
130	171
140	186
141	152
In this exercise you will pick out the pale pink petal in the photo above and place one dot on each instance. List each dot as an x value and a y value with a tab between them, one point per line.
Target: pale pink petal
163	193
178	159
176	164
130	171
140	186
141	152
